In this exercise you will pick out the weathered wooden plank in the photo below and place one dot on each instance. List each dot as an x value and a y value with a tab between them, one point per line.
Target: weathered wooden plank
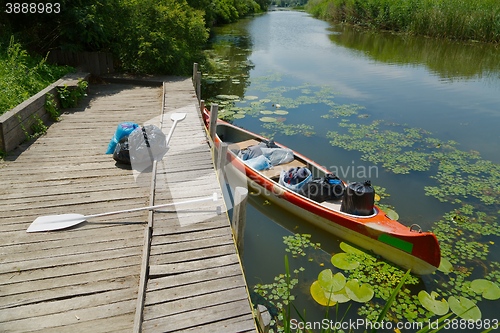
192	319
185	256
170	307
167	269
33	277
69	318
186	292
64	305
187	278
189	235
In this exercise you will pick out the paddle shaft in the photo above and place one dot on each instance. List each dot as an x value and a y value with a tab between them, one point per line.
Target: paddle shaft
213	198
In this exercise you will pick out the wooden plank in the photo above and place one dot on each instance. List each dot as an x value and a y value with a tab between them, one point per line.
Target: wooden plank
69	318
167	269
192	319
195	302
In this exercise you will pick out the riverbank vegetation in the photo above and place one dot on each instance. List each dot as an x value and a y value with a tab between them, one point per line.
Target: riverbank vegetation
22	76
145	36
476	20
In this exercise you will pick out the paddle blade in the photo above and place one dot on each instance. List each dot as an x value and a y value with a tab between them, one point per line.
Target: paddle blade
178	116
55	222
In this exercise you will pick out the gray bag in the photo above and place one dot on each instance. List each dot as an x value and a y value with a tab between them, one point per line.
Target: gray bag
146	145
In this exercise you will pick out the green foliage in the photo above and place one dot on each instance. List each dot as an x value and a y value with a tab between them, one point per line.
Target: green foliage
38	127
70	96
51	107
164	36
22	76
456	19
161	37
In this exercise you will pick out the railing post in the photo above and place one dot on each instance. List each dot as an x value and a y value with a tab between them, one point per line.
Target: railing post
239	215
198	85
214	110
202	105
195	71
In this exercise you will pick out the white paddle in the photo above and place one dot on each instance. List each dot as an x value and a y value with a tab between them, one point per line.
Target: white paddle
62	221
176	117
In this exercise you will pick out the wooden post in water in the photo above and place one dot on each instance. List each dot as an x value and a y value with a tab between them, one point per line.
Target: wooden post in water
221	157
214	113
239	215
263	318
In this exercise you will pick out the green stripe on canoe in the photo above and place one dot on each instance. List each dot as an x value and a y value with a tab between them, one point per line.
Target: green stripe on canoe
396	242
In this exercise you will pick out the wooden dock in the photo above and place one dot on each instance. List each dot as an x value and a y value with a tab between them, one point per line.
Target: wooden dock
169	271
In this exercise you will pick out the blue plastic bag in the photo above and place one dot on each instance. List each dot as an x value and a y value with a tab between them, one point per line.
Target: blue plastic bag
259	163
123	130
295	178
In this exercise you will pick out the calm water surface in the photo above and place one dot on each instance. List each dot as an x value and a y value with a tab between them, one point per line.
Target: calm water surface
449	89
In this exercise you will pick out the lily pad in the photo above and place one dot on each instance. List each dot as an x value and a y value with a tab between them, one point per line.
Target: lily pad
266	112
464	308
281	112
392	214
320	296
239	116
229	97
439	307
340	296
329	282
351	249
361	293
445	266
268	119
251	98
343	261
486	288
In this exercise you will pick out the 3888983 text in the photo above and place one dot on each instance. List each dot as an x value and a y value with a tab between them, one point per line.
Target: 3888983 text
32	8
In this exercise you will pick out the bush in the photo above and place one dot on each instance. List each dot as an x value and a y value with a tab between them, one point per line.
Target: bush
165	37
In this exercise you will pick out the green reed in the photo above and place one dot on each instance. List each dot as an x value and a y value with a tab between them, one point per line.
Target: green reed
476	20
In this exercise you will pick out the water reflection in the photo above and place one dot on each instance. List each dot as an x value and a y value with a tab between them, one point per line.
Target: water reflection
448	59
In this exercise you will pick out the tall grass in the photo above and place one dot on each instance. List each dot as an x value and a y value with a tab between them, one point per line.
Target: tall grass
477	20
22	76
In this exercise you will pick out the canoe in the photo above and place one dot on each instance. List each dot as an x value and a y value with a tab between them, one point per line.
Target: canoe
406	246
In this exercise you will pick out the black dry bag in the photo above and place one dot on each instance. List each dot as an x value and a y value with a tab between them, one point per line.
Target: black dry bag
358	199
122	153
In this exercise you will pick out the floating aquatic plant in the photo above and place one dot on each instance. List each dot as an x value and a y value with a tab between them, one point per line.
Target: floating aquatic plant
360	293
268	119
344	110
464	308
344	261
280	127
330	289
487	289
298	243
432	303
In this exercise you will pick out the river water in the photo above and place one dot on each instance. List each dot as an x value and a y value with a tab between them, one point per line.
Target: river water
447	90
